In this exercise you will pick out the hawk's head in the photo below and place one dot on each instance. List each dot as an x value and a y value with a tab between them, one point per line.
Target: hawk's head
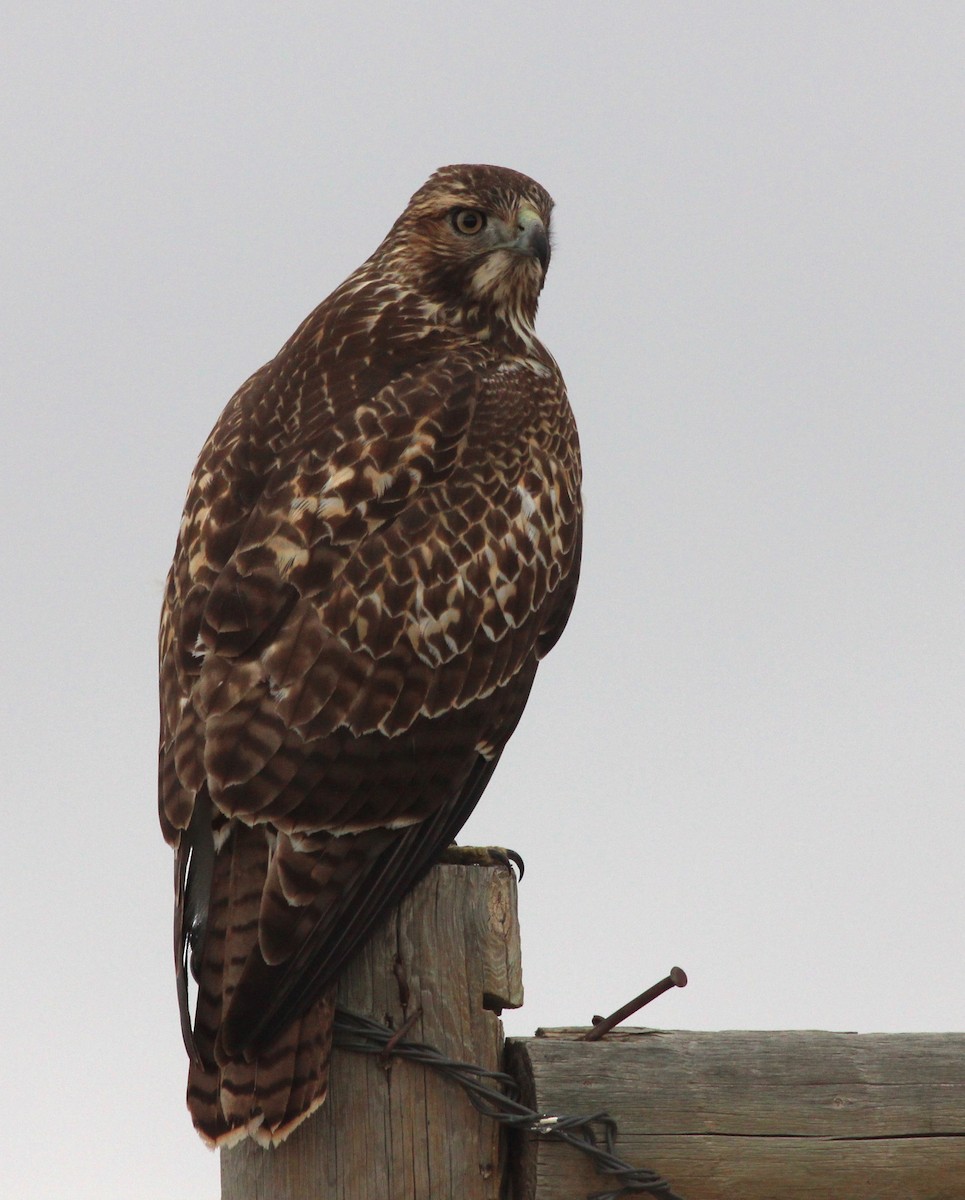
474	240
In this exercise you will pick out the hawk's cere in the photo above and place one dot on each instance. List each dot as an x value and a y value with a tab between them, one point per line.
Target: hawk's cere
380	542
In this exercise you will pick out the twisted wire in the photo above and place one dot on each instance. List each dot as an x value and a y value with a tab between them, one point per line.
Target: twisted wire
495	1095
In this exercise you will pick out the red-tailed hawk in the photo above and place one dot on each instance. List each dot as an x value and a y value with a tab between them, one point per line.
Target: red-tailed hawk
380	542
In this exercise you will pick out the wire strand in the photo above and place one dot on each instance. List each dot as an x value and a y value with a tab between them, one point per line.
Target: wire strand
495	1094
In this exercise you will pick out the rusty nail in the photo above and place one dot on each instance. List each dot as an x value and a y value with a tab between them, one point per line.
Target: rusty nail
603	1025
398	970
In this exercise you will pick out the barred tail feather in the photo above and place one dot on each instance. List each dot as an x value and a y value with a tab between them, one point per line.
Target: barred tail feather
269	1097
230	1097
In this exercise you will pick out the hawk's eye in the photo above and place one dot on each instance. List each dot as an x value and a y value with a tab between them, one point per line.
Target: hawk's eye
468	221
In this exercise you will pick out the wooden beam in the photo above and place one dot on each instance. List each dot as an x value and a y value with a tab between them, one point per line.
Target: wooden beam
401	1132
740	1115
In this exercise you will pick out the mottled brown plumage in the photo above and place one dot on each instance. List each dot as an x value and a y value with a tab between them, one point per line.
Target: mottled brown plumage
380	541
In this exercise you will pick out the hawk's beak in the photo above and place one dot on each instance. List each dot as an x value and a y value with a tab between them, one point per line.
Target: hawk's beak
532	237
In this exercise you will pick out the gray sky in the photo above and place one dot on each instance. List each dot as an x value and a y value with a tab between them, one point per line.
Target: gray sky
746	755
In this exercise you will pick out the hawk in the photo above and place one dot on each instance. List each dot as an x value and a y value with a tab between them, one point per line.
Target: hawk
380	541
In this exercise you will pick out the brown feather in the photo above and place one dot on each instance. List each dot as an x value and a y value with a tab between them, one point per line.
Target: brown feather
380	540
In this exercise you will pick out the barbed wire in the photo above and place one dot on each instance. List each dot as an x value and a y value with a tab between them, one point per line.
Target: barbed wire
495	1095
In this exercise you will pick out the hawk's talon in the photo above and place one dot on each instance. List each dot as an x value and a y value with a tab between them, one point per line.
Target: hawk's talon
483	856
515	857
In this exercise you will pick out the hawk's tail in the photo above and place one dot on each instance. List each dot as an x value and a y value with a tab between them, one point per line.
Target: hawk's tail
230	1097
270	1096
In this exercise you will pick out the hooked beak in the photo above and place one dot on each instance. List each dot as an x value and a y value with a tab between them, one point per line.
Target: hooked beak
532	238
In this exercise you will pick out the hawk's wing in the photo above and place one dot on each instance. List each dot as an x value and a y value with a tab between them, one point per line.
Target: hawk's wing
350	635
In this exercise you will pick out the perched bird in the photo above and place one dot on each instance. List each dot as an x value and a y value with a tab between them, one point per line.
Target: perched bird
381	540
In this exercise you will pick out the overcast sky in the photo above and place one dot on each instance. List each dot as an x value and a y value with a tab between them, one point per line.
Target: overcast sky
745	756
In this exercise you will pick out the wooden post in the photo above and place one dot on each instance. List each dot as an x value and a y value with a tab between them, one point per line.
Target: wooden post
401	1132
798	1115
739	1115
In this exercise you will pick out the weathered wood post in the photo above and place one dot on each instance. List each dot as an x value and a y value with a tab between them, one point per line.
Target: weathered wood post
739	1115
399	1131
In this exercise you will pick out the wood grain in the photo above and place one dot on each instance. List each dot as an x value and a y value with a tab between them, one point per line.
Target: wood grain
401	1132
800	1115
